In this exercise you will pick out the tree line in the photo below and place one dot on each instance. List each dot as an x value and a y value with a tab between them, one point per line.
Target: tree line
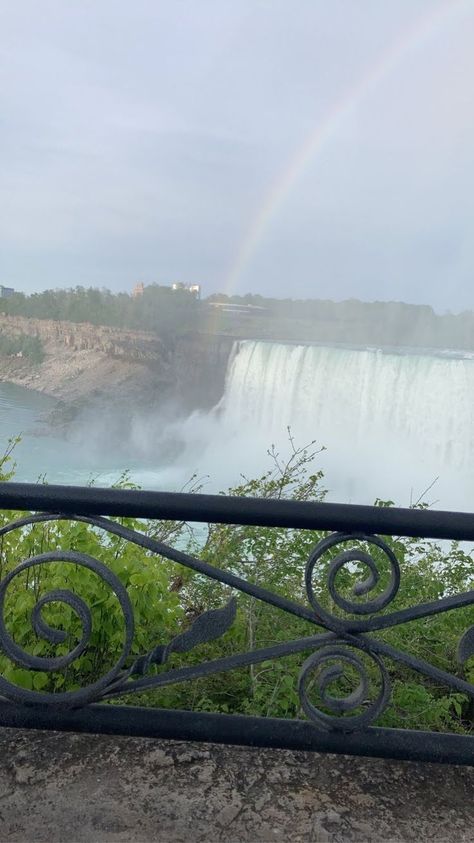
170	313
159	309
378	323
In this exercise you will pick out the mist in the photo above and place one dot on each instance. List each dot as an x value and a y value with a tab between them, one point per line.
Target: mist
406	444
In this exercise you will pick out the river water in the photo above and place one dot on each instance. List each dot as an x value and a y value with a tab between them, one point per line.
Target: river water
392	423
43	455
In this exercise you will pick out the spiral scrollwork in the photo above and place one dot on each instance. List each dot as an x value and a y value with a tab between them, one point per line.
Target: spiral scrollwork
343	686
67	699
346	557
325	667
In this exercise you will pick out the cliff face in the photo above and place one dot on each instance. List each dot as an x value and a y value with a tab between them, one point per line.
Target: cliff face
199	366
133	368
129	345
85	363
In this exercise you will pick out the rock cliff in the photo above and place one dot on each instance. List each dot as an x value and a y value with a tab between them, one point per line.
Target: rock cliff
129	345
85	362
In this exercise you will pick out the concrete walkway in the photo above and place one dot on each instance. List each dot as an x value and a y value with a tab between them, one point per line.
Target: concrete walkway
68	787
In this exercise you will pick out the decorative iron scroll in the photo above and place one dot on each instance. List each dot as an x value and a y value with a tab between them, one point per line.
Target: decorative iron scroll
345	645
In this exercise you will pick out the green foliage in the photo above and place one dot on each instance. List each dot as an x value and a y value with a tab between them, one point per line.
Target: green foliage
162	310
352	321
22	345
157	610
167	598
146	577
170	313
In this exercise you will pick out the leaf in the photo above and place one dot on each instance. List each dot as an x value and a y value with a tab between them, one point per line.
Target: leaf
20	677
40	680
466	646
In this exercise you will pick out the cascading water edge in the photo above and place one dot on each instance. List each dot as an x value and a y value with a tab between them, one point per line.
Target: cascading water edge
391	422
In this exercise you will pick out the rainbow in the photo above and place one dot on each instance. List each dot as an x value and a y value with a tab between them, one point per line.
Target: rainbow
412	40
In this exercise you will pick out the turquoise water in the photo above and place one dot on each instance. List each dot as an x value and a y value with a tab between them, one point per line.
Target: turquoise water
37	456
21	414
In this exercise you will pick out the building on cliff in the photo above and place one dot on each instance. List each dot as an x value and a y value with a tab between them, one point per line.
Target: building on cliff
194	289
138	290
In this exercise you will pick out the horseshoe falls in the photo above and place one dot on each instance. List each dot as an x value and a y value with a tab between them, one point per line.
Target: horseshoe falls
391	423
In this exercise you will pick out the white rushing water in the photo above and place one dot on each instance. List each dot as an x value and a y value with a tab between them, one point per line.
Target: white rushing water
421	402
391	422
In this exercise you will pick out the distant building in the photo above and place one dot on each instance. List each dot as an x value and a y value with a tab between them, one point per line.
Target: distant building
138	290
194	289
6	292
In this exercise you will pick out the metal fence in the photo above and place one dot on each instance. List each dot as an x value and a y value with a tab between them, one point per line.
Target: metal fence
335	642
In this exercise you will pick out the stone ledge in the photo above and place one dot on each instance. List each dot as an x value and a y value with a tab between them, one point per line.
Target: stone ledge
56	787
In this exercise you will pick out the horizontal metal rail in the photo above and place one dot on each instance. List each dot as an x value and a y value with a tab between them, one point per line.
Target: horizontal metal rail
242	730
222	509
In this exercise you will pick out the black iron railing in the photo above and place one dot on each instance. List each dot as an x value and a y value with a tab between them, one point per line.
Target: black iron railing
340	723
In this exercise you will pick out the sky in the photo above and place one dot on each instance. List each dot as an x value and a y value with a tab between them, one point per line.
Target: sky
309	149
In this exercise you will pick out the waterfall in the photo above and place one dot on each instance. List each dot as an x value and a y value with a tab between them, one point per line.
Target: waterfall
391	422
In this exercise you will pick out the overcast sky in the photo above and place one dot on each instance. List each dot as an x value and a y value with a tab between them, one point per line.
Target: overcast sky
141	141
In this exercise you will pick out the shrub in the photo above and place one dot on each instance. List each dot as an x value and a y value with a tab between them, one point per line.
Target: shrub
166	599
24	345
